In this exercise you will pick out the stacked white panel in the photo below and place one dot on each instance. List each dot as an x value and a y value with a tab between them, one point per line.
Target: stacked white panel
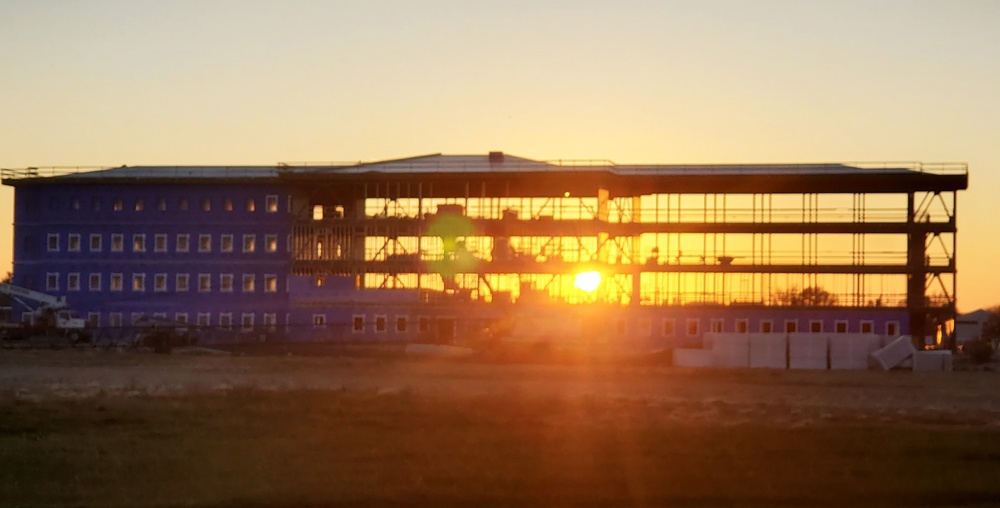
852	350
807	350
768	350
893	354
693	358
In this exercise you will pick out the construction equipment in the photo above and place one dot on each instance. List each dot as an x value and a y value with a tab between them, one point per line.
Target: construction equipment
49	317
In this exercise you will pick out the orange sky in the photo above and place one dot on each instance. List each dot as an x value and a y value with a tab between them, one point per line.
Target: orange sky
234	82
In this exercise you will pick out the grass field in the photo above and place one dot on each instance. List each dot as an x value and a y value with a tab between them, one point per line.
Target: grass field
392	432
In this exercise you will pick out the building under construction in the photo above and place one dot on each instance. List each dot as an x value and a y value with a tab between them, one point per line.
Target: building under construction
442	247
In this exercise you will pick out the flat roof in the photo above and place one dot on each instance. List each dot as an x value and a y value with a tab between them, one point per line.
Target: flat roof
784	177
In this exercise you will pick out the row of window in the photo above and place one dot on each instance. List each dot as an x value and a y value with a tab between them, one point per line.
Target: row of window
162	204
693	326
182	282
182	242
225	319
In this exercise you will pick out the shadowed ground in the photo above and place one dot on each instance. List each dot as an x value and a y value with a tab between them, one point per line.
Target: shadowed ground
97	429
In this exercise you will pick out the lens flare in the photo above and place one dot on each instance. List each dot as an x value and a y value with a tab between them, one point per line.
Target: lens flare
587	281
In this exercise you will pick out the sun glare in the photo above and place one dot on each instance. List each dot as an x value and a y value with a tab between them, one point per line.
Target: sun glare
587	281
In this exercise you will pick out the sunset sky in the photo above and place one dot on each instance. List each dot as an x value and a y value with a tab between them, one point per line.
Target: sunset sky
256	82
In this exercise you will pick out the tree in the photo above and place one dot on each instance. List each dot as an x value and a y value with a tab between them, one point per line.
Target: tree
812	296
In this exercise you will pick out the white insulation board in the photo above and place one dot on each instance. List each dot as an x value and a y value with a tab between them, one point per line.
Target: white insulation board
893	354
930	361
768	350
731	350
693	358
807	350
851	350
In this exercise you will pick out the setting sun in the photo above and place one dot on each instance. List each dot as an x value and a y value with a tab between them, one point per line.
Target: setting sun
587	281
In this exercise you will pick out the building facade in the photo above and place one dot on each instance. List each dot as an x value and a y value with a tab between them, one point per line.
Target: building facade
442	247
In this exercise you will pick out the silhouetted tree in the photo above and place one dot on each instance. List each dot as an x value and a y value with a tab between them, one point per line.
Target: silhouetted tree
807	297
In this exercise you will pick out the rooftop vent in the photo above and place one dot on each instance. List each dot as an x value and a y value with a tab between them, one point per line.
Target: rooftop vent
496	157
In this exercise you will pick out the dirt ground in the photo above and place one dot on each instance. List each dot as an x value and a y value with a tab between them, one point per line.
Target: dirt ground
725	397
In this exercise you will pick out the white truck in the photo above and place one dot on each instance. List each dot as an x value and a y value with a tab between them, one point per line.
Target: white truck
50	316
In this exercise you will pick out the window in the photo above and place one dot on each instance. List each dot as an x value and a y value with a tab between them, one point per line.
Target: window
251	205
161	204
645	327
270	321
181	282
182	204
160	243
248	283
892	328
226	320
206	204
136	318
226	243
139	242
160	315
815	326
75	203
272	204
318	281
791	325
183	243
247	321
116	319
667	328
52	281
743	325
117	242
204	282
53	242
271	243
380	323
117	283
840	326
138	282
181	317
867	326
95	282
319	320
227	205
160	282
226	282
95	242
94	319
74	242
118	206
73	281
692	327
270	283
424	324
358	323
95	204
139	205
249	243
204	318
204	243
401	324
717	325
766	326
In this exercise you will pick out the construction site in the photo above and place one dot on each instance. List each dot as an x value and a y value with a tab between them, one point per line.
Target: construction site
452	248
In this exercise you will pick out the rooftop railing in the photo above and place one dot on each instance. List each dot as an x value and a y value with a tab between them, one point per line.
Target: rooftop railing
946	168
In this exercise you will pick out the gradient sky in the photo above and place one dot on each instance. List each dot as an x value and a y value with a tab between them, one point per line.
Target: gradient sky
257	82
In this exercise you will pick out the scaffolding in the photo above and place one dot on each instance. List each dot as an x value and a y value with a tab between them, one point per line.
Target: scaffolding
846	235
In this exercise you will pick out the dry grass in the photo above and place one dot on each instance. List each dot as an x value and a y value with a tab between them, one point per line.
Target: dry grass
584	441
